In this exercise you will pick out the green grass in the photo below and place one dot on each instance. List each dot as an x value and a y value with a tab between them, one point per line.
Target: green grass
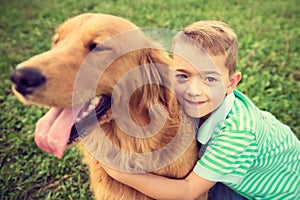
268	33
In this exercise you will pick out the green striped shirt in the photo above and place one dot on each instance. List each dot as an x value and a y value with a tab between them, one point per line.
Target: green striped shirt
250	151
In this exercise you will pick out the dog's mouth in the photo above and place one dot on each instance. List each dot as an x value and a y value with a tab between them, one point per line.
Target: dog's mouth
60	127
90	114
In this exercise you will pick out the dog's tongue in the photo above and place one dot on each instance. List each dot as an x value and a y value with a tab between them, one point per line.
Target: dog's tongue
53	130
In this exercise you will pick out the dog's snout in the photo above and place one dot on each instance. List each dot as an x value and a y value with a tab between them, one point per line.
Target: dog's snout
27	79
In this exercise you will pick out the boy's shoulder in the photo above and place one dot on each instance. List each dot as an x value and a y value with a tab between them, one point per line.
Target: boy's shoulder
243	115
243	105
244	100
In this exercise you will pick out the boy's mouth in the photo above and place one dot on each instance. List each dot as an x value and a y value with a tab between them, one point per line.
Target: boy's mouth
194	103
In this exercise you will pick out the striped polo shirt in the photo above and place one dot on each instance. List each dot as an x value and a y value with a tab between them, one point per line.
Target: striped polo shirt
250	151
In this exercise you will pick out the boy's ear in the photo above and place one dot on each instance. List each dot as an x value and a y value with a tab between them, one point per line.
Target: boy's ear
233	81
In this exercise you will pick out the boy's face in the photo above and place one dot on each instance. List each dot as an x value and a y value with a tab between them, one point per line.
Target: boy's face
201	81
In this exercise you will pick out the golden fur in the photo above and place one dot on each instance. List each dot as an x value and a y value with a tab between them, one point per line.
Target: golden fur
60	65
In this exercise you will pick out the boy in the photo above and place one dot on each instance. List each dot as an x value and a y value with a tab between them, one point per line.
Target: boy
248	150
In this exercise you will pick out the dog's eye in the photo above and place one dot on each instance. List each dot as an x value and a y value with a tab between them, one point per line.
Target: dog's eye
55	39
96	47
92	46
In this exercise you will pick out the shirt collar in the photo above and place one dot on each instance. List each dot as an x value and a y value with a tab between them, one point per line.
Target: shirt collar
219	115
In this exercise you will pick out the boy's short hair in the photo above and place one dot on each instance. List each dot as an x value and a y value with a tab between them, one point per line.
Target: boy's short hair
214	37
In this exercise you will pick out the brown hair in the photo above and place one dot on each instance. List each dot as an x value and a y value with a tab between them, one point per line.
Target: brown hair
215	37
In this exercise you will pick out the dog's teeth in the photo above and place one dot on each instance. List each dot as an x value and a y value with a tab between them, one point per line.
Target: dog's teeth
77	119
95	100
84	114
91	107
103	117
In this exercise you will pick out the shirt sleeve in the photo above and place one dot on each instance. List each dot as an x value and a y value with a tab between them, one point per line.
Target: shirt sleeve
228	157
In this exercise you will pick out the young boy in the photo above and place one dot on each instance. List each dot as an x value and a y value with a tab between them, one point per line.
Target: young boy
248	150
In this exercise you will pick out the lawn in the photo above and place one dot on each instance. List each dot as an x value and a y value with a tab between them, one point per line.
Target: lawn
268	33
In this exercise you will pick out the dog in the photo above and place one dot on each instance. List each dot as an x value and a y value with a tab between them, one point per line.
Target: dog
109	90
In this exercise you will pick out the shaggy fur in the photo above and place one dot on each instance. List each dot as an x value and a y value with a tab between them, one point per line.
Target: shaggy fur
70	52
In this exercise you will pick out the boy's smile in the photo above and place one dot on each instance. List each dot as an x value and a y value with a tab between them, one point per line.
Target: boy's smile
201	81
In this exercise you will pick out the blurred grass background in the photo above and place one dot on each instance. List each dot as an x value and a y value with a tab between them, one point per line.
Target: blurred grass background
268	33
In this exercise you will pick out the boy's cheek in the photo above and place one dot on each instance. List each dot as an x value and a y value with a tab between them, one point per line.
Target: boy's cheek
217	94
180	90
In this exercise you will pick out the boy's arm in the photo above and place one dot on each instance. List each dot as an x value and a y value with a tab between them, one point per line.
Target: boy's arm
159	187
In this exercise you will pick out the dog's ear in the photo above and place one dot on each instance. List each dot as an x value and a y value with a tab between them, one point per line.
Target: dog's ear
158	71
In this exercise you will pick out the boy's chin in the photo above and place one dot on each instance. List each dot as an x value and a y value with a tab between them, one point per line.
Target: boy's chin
195	113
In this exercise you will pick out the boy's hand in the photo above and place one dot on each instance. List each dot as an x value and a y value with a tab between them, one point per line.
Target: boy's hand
112	172
159	187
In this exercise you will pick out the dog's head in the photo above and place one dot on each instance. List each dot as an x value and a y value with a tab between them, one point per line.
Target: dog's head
94	61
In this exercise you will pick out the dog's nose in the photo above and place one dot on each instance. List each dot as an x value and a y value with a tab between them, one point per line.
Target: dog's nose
27	79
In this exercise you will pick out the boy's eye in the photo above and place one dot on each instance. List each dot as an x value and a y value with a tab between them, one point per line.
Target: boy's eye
181	76
211	79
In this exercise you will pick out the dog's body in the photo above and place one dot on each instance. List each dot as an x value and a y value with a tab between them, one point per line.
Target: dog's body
82	51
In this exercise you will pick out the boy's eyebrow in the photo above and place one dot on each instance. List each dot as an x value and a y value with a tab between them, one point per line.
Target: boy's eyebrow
211	72
182	70
203	72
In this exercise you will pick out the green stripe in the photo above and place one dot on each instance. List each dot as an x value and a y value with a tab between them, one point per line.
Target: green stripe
236	143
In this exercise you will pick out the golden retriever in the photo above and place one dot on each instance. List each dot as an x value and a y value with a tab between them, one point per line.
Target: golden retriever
109	90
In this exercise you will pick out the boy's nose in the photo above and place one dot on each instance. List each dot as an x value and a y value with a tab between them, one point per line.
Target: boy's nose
196	87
